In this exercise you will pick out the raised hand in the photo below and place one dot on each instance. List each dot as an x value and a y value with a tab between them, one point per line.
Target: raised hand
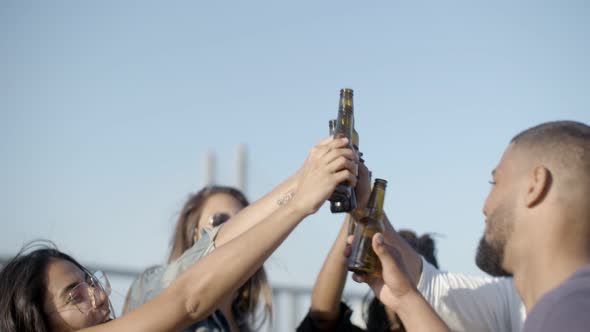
328	163
393	283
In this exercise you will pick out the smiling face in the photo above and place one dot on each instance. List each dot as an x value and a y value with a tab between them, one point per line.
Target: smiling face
68	305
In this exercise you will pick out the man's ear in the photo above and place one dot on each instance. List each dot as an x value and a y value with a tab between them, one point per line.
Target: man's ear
539	183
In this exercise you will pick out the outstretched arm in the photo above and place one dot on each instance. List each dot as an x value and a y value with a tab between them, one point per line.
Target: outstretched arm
270	202
329	285
465	303
396	291
199	290
410	257
327	291
257	211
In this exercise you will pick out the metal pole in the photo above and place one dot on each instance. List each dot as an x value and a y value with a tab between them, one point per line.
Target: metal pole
210	168
241	167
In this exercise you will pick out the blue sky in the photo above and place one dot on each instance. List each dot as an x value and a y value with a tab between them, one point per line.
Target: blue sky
108	108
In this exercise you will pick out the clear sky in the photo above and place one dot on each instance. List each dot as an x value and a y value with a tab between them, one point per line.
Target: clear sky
107	109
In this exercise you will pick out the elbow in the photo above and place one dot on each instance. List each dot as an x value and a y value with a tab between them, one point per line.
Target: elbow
198	302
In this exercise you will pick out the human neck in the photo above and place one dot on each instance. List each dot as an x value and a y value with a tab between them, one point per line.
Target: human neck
546	268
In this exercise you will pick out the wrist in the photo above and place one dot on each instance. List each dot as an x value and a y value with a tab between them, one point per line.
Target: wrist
407	303
289	202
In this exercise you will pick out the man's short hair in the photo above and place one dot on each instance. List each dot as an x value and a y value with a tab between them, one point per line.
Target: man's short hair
564	148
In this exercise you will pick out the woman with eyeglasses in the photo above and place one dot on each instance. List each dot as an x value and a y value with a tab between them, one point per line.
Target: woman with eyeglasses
201	218
36	287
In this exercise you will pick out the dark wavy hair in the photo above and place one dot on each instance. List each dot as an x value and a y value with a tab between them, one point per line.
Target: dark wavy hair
23	287
245	305
375	315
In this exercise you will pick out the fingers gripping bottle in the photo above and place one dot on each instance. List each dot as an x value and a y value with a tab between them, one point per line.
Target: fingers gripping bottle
343	199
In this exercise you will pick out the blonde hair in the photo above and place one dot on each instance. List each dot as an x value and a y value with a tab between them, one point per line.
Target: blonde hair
248	296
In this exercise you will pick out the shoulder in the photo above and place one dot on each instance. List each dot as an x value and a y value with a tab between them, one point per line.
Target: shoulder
202	247
432	278
565	307
148	275
142	286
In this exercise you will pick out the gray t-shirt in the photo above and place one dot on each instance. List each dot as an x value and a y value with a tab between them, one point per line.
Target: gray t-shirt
565	308
153	280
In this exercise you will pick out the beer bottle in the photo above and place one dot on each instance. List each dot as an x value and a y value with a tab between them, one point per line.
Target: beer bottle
355	134
362	258
332	125
343	199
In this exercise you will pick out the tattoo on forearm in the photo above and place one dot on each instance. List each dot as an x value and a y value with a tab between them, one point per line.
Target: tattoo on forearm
284	199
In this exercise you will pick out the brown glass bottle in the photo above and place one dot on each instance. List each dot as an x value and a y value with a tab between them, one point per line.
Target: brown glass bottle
332	125
362	258
343	199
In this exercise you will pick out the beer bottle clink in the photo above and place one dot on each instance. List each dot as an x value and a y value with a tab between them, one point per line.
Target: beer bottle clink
362	258
343	199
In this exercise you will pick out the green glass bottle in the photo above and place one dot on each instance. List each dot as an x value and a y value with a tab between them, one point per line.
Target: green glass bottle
362	258
343	199
332	125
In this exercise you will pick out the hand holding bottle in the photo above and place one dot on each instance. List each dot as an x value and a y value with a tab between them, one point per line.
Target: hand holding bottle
395	290
328	164
393	284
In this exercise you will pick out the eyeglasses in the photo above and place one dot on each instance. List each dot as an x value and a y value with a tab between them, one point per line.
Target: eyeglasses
90	294
214	221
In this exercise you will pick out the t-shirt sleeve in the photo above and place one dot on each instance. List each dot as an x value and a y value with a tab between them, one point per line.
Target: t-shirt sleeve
202	247
467	303
153	280
143	288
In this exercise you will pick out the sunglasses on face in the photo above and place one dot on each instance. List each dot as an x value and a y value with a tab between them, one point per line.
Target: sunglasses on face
218	219
213	221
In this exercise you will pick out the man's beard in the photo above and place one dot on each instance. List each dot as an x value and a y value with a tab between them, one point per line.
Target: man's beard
490	254
489	259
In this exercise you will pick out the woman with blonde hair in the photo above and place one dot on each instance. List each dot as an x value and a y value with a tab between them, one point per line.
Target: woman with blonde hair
202	215
46	290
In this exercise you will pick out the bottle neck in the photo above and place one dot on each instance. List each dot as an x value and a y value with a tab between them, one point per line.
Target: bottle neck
345	120
344	124
376	200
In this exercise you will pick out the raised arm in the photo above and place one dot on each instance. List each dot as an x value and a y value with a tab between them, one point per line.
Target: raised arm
465	303
411	258
260	209
329	285
396	291
266	205
199	290
327	291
